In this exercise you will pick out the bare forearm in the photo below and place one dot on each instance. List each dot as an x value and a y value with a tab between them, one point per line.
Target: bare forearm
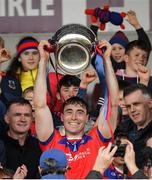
111	82
113	91
40	88
43	116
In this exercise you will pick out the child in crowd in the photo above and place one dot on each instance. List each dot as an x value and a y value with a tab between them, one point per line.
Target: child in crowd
24	64
28	95
117	169
106	157
136	57
22	71
53	164
119	41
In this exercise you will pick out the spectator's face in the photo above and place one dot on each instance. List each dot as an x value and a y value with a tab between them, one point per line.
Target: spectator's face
135	57
117	52
74	119
122	103
138	107
67	92
29	59
19	118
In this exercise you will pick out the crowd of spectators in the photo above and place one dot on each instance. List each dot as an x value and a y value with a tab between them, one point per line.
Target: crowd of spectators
47	129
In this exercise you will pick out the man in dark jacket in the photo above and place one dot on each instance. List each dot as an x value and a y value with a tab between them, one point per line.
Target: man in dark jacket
138	102
21	147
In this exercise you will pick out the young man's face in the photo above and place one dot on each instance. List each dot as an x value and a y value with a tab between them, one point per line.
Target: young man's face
74	118
29	59
117	52
139	109
135	57
19	118
67	92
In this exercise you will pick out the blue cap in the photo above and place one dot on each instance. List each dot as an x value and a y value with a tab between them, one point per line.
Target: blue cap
54	176
56	154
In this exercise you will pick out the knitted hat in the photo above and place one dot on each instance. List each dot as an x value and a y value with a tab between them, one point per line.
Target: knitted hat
27	43
56	154
120	38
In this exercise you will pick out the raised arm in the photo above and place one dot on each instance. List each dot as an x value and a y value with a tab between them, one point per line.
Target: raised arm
88	76
43	117
133	20
112	85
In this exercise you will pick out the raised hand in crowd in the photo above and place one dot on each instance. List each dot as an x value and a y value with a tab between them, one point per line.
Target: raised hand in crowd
108	48
87	77
132	19
104	158
144	74
130	157
44	55
21	172
5	55
130	162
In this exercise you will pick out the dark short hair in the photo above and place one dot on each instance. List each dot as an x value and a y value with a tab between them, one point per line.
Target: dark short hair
135	87
52	169
138	44
20	101
75	100
69	80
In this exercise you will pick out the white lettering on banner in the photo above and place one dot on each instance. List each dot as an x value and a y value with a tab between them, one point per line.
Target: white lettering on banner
12	5
29	10
17	8
44	10
2	8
